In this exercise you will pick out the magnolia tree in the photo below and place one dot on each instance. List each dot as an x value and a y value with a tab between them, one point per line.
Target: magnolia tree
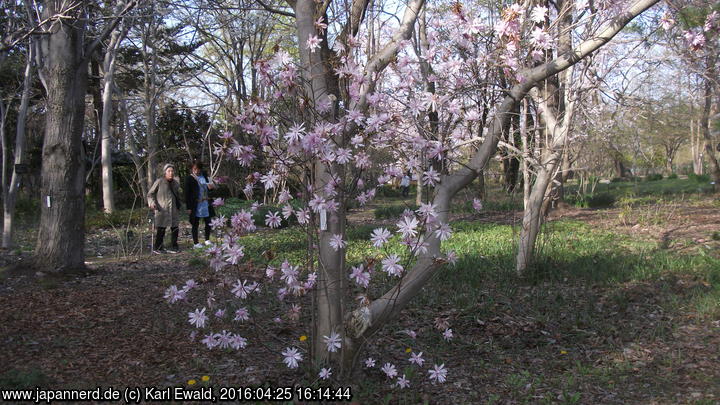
333	110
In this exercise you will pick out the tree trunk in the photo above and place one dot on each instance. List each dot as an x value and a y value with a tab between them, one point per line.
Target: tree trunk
330	281
5	150
696	147
532	220
61	233
705	128
106	130
134	154
11	194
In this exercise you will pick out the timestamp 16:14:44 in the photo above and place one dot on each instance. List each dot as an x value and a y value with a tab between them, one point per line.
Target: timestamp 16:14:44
323	394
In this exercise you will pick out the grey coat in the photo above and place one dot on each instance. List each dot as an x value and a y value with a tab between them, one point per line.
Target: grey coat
165	196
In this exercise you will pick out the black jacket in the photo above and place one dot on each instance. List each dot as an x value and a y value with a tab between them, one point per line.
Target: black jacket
192	188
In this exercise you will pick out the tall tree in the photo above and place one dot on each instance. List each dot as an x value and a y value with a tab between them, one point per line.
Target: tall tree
65	47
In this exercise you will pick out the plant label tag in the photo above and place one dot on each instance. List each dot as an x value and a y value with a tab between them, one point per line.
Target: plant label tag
323	220
47	200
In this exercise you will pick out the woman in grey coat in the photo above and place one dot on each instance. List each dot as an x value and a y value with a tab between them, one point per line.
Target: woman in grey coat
164	199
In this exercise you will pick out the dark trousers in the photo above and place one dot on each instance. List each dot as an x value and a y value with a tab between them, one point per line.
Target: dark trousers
195	222
161	235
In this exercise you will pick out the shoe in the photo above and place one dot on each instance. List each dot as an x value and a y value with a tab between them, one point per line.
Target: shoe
158	251
198	246
174	249
208	242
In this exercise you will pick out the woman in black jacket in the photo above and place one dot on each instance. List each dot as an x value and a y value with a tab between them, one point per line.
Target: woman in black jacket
197	200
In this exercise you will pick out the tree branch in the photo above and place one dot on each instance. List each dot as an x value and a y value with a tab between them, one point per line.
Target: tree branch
274	10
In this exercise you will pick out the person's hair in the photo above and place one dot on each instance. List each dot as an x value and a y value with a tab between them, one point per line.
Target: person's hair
198	164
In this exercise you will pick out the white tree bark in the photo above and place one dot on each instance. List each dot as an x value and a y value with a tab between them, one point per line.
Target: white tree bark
552	155
11	194
106	146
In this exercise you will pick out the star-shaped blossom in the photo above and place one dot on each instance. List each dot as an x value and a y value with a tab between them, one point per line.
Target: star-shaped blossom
391	265
407	226
172	294
336	242
234	254
270	180
272	219
292	357
361	277
538	14
332	342
242	314
430	177
389	370
369	362
417	358
210	341
427	210
325	373
448	334
379	237
238	342
198	318
540	38
313	43
443	232
438	373
403	382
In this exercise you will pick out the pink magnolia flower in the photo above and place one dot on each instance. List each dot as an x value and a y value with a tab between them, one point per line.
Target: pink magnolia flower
272	219
336	242
443	232
538	14
407	227
320	25
379	237
172	294
210	341
332	342
238	342
430	177
218	202
541	39
391	265
234	254
242	314
417	359
313	43
438	373
325	373
292	357
361	277
389	370
198	318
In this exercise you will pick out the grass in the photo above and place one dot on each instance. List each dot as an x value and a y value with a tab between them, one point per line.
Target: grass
657	188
